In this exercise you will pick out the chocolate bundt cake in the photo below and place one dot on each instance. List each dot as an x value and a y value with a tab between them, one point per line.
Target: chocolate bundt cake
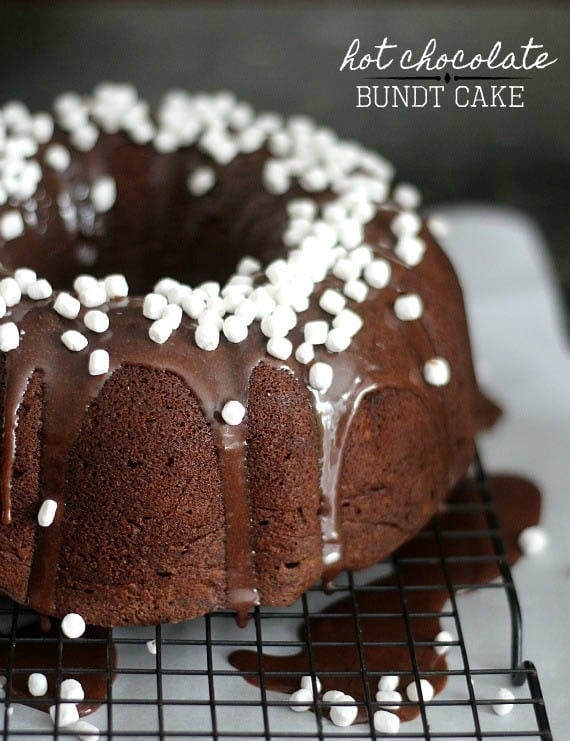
295	399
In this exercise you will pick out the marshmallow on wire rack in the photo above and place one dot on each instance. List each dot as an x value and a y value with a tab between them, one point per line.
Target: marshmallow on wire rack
73	625
301	700
386	722
426	687
345	714
532	540
67	714
443	637
388	683
504	706
151	647
37	684
72	689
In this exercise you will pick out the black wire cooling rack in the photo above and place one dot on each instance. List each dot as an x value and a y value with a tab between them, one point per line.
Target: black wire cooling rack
188	689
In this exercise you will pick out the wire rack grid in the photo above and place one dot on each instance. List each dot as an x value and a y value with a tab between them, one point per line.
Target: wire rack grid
188	689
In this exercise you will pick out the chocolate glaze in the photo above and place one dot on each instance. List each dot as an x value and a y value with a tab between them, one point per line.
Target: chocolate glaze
153	223
517	503
91	661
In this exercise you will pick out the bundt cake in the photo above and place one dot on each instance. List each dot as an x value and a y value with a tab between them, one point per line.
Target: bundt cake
295	399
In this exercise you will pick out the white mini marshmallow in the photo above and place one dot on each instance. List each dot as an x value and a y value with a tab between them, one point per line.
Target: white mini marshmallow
444	636
67	714
40	289
37	684
346	269
338	340
350	233
439	227
9	337
332	301
154	305
532	540
207	336
305	353
385	722
316	332
74	340
233	412
408	307
164	286
378	273
42	127
11	225
72	689
390	699
357	290
73	625
96	320
116	286
427	691
57	157
279	347
406	224
160	330
24	277
348	321
388	683
344	715
407	196
437	372
84	282
361	256
301	700
246	311
307	684
410	250
234	329
248	265
85	137
93	296
333	695
201	181
173	315
84	730
504	707
98	362
321	376
10	291
151	647
194	304
67	305
103	194
302	208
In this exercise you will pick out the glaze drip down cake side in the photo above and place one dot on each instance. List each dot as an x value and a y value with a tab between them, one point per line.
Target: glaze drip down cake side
235	360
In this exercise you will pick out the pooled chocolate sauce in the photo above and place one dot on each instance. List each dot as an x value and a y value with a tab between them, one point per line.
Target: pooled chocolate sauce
517	503
91	660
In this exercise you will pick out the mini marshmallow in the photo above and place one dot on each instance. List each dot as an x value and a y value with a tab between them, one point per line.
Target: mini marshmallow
2	307
333	695
504	707
279	347
24	277
350	233
151	647
388	683
211	288
427	691
332	301
307	684
116	286
233	412
96	320
84	730
72	689
406	224
73	625
93	296
357	290
344	715
346	269
74	340
173	315
9	337
154	305
10	291
378	273
410	250
444	636
389	699
385	722
103	194
439	227
84	137
40	289
316	332
305	353
57	157
164	286
302	208
348	321
160	330
67	305
234	329
437	372
193	304
361	256
84	282
42	127
67	714
532	540
301	700
248	265
207	336
37	684
321	376
98	362
11	225
201	181
407	196
337	340
209	316
408	307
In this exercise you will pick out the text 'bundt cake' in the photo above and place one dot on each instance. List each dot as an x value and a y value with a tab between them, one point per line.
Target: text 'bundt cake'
295	399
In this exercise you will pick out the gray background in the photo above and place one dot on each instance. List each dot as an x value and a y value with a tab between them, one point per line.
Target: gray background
285	55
